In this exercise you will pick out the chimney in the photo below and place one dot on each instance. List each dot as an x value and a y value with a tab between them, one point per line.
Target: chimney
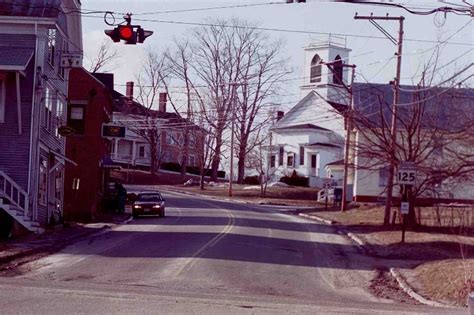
129	90
162	103
280	115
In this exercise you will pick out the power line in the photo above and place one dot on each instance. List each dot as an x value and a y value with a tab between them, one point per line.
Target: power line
281	30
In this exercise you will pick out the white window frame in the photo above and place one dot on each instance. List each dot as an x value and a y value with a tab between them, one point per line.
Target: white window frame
292	156
3	90
52	41
59	116
48	107
140	147
43	181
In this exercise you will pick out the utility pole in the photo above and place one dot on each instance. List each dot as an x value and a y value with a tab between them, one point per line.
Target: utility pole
348	124
231	171
396	95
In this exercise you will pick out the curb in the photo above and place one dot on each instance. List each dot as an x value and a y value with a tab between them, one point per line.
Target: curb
409	290
316	218
33	251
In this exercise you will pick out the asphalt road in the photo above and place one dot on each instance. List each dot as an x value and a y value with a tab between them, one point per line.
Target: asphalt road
204	257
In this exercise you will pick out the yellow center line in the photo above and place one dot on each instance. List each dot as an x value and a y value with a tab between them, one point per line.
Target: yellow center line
194	258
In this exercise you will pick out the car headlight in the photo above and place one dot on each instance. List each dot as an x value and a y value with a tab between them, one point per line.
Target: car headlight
156	207
137	207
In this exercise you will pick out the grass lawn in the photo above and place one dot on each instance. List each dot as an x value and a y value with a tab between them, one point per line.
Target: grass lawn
430	259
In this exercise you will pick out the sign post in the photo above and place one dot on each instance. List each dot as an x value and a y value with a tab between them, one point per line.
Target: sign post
406	178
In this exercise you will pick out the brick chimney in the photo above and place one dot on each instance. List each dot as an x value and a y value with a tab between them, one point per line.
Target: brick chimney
280	115
129	91
162	102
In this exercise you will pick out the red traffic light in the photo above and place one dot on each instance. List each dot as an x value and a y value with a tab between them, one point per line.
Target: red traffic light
126	32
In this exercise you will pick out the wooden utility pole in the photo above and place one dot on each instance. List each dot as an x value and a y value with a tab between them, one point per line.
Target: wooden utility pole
231	170
396	94
348	125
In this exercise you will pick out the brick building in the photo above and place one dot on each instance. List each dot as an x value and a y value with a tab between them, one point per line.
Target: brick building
90	106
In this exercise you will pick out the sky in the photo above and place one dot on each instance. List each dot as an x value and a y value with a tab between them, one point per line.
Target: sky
371	51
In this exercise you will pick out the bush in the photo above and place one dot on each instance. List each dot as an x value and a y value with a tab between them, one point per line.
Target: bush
252	180
195	170
295	180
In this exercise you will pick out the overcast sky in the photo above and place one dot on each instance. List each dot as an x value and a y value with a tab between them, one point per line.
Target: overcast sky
369	54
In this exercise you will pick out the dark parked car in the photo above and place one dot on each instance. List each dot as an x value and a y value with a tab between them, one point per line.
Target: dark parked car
148	203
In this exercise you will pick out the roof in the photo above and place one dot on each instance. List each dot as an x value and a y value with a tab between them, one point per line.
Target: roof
322	144
15	59
302	126
443	107
340	162
33	8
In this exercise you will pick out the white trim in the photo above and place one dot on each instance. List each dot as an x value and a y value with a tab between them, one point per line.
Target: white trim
63	157
18	102
2	98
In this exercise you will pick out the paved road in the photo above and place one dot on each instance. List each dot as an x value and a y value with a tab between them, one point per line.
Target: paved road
204	257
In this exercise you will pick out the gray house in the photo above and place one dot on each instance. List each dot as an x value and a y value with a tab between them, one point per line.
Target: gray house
39	41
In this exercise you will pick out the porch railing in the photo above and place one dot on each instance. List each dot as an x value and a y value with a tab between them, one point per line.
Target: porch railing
14	193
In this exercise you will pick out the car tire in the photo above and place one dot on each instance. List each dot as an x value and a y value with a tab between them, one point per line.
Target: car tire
135	216
162	213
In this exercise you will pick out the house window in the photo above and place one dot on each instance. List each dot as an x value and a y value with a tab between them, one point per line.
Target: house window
59	120
272	160
141	151
315	72
191	160
301	155
192	141
43	180
338	70
280	156
76	118
2	97
290	160
48	109
170	139
51	46
383	176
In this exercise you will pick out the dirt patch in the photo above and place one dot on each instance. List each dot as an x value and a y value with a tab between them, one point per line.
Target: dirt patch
386	287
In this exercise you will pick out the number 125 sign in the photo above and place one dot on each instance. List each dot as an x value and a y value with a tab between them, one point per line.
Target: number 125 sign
406	177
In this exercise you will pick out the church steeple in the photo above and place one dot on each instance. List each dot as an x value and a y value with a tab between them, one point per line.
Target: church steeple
317	76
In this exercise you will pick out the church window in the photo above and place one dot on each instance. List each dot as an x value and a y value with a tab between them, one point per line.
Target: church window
338	70
315	75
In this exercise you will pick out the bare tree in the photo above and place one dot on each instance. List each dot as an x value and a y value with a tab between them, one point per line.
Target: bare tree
141	117
435	132
259	79
104	58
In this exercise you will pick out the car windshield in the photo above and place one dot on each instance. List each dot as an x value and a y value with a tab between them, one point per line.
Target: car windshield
149	197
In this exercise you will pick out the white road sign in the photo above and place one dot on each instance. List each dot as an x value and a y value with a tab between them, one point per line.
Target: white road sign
405	207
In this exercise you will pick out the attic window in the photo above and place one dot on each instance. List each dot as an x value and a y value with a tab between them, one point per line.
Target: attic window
315	73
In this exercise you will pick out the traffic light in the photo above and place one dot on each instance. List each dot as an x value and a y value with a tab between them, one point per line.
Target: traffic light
143	34
127	32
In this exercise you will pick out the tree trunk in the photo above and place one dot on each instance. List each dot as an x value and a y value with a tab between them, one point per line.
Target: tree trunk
216	159
241	167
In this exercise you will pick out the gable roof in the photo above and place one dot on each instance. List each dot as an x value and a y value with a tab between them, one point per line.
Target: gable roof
32	8
14	58
323	144
298	108
301	126
443	107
